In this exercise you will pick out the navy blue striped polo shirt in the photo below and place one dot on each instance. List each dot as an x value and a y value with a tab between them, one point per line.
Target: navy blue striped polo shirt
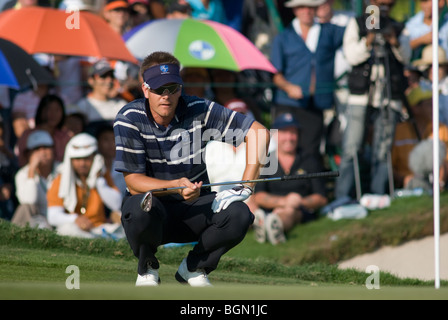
176	151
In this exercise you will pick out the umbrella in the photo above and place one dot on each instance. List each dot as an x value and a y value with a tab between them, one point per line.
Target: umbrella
18	69
197	43
53	31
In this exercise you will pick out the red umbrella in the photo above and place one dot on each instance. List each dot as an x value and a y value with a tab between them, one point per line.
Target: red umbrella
53	31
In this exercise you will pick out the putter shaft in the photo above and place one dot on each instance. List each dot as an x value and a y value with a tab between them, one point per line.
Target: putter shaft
146	202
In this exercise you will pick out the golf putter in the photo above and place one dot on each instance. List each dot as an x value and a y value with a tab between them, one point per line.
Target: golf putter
146	202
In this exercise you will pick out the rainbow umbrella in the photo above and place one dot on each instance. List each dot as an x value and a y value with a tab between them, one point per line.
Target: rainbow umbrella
197	43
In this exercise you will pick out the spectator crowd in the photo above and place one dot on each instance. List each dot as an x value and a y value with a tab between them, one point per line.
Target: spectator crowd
346	96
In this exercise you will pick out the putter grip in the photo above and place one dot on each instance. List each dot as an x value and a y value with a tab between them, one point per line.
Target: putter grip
326	174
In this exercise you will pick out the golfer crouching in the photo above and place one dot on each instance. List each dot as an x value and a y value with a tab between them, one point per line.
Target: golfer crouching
160	143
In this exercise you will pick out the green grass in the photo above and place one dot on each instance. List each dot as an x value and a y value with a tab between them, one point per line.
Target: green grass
33	262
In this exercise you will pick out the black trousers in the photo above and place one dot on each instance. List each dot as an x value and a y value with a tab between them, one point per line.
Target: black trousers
181	222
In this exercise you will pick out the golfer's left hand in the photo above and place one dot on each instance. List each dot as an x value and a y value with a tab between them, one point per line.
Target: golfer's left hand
225	198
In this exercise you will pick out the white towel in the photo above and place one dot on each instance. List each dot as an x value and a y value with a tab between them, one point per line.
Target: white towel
81	145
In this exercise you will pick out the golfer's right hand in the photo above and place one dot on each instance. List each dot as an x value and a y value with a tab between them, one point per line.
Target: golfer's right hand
192	190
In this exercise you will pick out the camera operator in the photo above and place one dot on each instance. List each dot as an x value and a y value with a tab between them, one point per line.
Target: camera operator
376	85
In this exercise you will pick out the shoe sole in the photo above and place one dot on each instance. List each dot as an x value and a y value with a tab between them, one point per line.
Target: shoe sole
259	229
146	285
275	232
149	285
184	282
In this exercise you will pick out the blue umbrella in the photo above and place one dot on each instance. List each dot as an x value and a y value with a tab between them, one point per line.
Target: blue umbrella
18	69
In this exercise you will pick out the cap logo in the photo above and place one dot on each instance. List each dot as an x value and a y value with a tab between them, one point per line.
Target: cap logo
164	68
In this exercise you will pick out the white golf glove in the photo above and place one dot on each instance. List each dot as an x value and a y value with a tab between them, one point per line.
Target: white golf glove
225	198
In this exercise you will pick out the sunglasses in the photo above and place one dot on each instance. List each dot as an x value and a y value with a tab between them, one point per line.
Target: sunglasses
170	89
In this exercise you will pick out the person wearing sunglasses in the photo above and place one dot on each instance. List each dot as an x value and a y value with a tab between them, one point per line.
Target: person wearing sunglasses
160	143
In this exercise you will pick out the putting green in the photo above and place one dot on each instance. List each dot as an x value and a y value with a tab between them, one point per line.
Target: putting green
220	291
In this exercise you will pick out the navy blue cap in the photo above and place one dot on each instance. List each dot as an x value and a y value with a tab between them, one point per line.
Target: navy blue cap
285	120
161	74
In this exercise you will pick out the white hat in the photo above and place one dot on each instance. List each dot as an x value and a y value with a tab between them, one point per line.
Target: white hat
78	5
305	3
39	138
80	146
426	58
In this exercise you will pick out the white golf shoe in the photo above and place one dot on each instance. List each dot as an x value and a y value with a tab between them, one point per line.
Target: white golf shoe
196	278
148	279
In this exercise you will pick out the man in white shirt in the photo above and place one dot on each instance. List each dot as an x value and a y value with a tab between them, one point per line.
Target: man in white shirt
34	179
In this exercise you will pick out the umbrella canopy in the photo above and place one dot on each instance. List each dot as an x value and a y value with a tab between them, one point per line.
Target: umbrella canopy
197	43
18	69
48	30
